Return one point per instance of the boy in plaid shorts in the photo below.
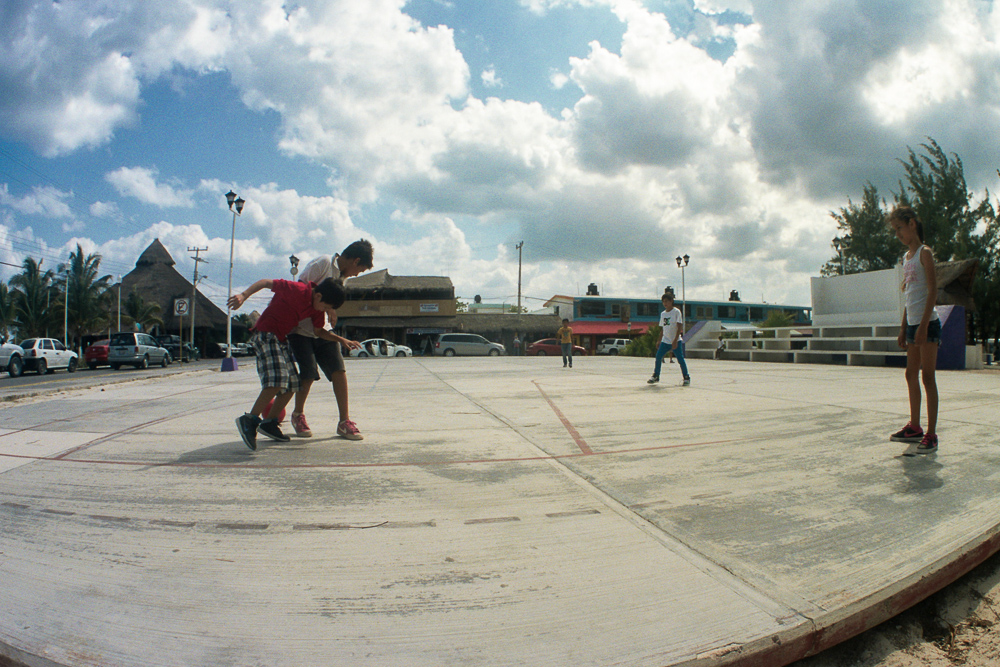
(292, 302)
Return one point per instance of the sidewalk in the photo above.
(499, 512)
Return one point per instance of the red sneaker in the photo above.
(349, 430)
(300, 426)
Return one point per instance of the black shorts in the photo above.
(311, 354)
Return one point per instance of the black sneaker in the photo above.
(687, 381)
(269, 427)
(908, 433)
(653, 380)
(247, 426)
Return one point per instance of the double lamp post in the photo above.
(236, 206)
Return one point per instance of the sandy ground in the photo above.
(958, 626)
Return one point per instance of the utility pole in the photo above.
(194, 290)
(519, 246)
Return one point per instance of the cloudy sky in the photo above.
(609, 136)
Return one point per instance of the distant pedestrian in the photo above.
(565, 337)
(279, 380)
(721, 348)
(672, 324)
(517, 346)
(920, 331)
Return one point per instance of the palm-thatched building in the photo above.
(157, 281)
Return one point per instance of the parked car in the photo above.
(137, 349)
(380, 347)
(11, 358)
(242, 350)
(171, 344)
(550, 346)
(96, 353)
(612, 345)
(44, 355)
(451, 344)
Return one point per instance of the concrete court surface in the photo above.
(500, 511)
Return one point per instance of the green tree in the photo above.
(35, 299)
(88, 293)
(868, 244)
(7, 315)
(135, 310)
(775, 318)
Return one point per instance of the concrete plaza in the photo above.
(500, 511)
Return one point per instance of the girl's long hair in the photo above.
(904, 214)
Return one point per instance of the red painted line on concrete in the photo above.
(577, 438)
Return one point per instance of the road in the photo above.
(31, 383)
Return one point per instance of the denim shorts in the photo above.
(933, 332)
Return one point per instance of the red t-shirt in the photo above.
(291, 303)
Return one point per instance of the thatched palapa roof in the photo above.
(157, 281)
(954, 281)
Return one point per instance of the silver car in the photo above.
(464, 344)
(137, 349)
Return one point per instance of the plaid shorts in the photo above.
(274, 363)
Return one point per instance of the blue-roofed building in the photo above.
(597, 317)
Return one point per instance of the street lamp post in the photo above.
(841, 245)
(228, 363)
(682, 262)
(119, 302)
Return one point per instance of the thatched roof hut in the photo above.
(954, 281)
(157, 281)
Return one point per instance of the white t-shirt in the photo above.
(670, 320)
(316, 271)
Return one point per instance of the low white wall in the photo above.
(858, 298)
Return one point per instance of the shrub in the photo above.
(646, 344)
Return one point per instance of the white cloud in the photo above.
(490, 79)
(46, 201)
(140, 183)
(104, 209)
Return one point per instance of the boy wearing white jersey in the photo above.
(312, 353)
(672, 323)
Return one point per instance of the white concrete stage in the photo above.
(500, 511)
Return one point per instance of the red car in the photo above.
(551, 347)
(96, 353)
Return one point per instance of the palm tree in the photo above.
(135, 310)
(33, 296)
(87, 310)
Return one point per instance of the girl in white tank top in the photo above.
(919, 332)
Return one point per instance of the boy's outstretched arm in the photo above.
(330, 336)
(237, 300)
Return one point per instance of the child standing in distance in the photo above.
(920, 331)
(292, 301)
(672, 323)
(565, 337)
(312, 353)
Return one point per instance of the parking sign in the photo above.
(182, 306)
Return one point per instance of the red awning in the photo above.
(581, 328)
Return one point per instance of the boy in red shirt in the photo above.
(291, 303)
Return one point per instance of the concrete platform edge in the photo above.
(842, 624)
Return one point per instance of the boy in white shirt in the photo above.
(672, 323)
(312, 353)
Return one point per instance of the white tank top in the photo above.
(915, 288)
